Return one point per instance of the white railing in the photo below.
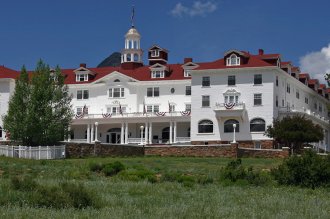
(303, 111)
(230, 106)
(37, 153)
(182, 139)
(134, 140)
(134, 115)
(78, 140)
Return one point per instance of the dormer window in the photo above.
(233, 60)
(157, 74)
(187, 73)
(154, 53)
(82, 77)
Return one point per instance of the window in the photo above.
(154, 53)
(297, 94)
(115, 110)
(157, 74)
(276, 101)
(172, 108)
(188, 107)
(80, 110)
(82, 77)
(1, 132)
(288, 89)
(188, 90)
(233, 60)
(82, 94)
(206, 81)
(257, 99)
(118, 92)
(276, 81)
(258, 79)
(257, 145)
(282, 103)
(153, 92)
(152, 108)
(320, 107)
(205, 126)
(228, 126)
(315, 105)
(231, 99)
(306, 100)
(231, 80)
(205, 101)
(187, 73)
(257, 125)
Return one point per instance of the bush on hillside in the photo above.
(309, 170)
(112, 169)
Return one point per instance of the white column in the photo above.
(88, 133)
(96, 125)
(171, 129)
(122, 134)
(69, 131)
(92, 133)
(150, 133)
(126, 133)
(174, 132)
(146, 133)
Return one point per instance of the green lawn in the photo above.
(129, 197)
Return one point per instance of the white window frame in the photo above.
(154, 53)
(80, 109)
(83, 76)
(152, 108)
(254, 99)
(112, 92)
(115, 110)
(233, 60)
(157, 74)
(153, 91)
(186, 73)
(83, 94)
(188, 107)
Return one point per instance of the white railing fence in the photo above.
(36, 153)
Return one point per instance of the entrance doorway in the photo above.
(113, 136)
(165, 134)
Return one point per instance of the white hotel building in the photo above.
(195, 103)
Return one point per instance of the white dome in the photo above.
(132, 32)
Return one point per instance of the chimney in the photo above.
(186, 60)
(261, 51)
(83, 65)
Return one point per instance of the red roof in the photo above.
(8, 73)
(175, 72)
(322, 86)
(313, 81)
(304, 75)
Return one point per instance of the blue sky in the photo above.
(69, 32)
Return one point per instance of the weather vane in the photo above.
(132, 18)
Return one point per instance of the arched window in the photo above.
(233, 60)
(205, 126)
(128, 57)
(257, 125)
(136, 57)
(228, 125)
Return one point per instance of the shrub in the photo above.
(309, 170)
(23, 183)
(96, 167)
(205, 180)
(234, 172)
(114, 168)
(138, 174)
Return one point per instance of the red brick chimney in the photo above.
(186, 60)
(83, 65)
(261, 51)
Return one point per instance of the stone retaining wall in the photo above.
(264, 153)
(75, 150)
(193, 151)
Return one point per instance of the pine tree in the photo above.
(48, 109)
(15, 122)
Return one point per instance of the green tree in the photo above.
(16, 119)
(294, 131)
(48, 110)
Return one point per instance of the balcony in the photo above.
(230, 110)
(305, 112)
(133, 115)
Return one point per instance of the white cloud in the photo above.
(316, 63)
(197, 9)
